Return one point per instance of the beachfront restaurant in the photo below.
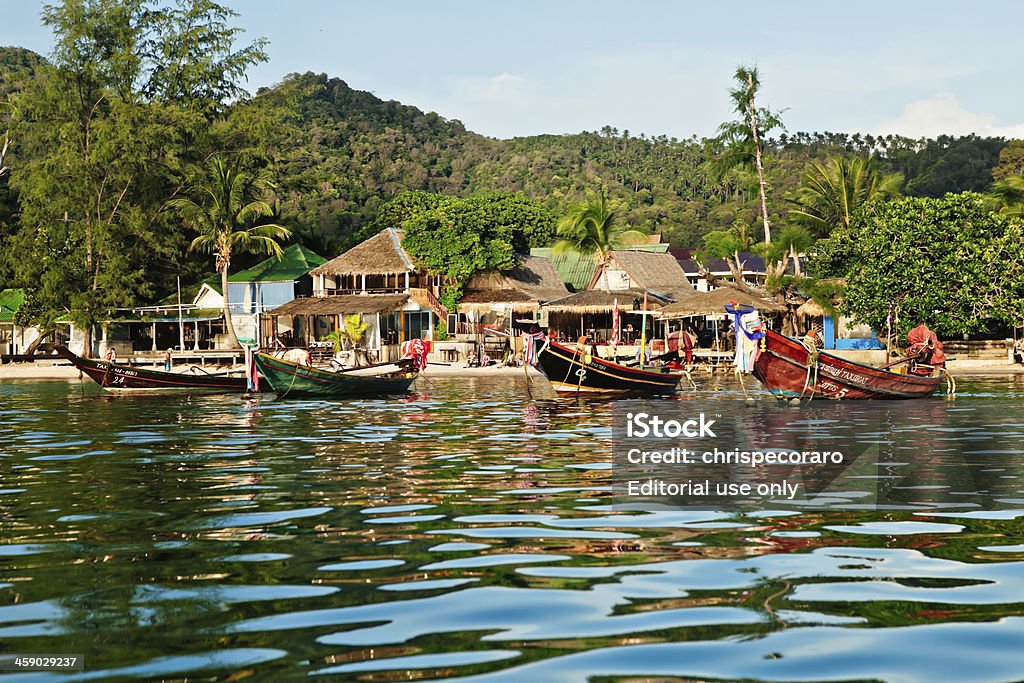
(493, 302)
(392, 318)
(377, 280)
(591, 313)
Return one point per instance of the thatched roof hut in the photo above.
(382, 254)
(657, 273)
(811, 309)
(525, 287)
(715, 301)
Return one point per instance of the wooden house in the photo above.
(376, 279)
(624, 282)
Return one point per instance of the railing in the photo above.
(439, 310)
(341, 292)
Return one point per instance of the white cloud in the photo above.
(943, 115)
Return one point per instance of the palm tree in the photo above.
(593, 229)
(223, 208)
(1009, 192)
(830, 193)
(744, 139)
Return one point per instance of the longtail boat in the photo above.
(573, 370)
(117, 377)
(290, 379)
(791, 369)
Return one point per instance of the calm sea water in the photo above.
(465, 531)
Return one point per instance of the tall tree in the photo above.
(593, 229)
(224, 208)
(744, 139)
(105, 140)
(831, 192)
(931, 260)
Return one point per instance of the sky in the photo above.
(526, 67)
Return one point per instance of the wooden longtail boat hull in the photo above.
(788, 369)
(571, 371)
(294, 380)
(118, 377)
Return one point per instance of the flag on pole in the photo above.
(615, 322)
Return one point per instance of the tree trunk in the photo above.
(796, 261)
(752, 112)
(738, 285)
(229, 326)
(87, 341)
(31, 349)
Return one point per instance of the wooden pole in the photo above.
(643, 333)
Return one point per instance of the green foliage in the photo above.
(457, 238)
(451, 296)
(831, 192)
(354, 329)
(103, 139)
(593, 229)
(226, 208)
(744, 140)
(441, 331)
(1011, 161)
(948, 262)
(335, 337)
(1009, 195)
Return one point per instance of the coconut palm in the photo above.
(744, 139)
(223, 206)
(831, 192)
(593, 229)
(1009, 192)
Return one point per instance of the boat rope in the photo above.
(106, 375)
(290, 384)
(575, 353)
(811, 381)
(743, 385)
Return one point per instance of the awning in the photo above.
(714, 303)
(342, 305)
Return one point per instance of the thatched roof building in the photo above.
(577, 270)
(715, 301)
(811, 309)
(528, 285)
(382, 254)
(659, 274)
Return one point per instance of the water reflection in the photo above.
(468, 530)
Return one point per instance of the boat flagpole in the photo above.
(643, 333)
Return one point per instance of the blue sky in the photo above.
(658, 67)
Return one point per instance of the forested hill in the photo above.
(339, 154)
(351, 151)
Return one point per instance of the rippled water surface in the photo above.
(466, 531)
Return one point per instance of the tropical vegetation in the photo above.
(117, 120)
(226, 208)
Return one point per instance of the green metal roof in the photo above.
(577, 270)
(295, 262)
(10, 301)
